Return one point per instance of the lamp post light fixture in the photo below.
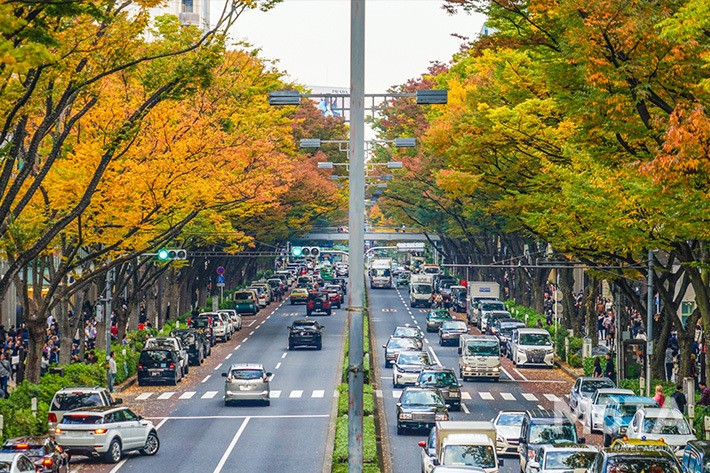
(405, 142)
(394, 165)
(285, 97)
(325, 165)
(310, 143)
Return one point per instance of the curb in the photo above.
(127, 383)
(566, 370)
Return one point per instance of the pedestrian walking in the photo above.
(705, 394)
(597, 367)
(112, 371)
(679, 398)
(660, 398)
(609, 370)
(669, 362)
(5, 371)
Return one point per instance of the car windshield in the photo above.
(243, 296)
(304, 326)
(454, 325)
(592, 385)
(421, 289)
(665, 426)
(186, 337)
(81, 419)
(380, 273)
(483, 348)
(510, 420)
(439, 314)
(5, 467)
(492, 306)
(553, 433)
(604, 398)
(71, 401)
(568, 460)
(437, 379)
(469, 455)
(160, 356)
(401, 343)
(159, 344)
(508, 327)
(246, 374)
(537, 339)
(624, 464)
(413, 359)
(628, 410)
(199, 323)
(422, 398)
(410, 332)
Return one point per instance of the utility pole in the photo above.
(649, 322)
(356, 222)
(107, 318)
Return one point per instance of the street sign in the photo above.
(220, 270)
(220, 280)
(413, 246)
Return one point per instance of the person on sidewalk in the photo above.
(660, 398)
(669, 362)
(5, 372)
(705, 394)
(112, 371)
(609, 370)
(679, 398)
(597, 367)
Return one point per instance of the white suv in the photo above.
(106, 432)
(222, 326)
(234, 318)
(531, 346)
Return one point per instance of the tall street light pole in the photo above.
(357, 234)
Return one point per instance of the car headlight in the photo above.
(622, 429)
(405, 416)
(496, 368)
(441, 416)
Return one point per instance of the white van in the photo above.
(532, 346)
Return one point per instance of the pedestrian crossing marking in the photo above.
(291, 314)
(318, 393)
(209, 394)
(187, 395)
(396, 393)
(296, 393)
(275, 394)
(465, 396)
(389, 310)
(529, 397)
(486, 396)
(378, 393)
(167, 395)
(507, 396)
(143, 396)
(552, 397)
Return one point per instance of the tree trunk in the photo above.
(37, 332)
(662, 332)
(65, 331)
(569, 318)
(590, 309)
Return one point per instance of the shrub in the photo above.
(575, 361)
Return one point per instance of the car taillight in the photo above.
(47, 462)
(172, 366)
(100, 431)
(52, 417)
(22, 446)
(140, 367)
(57, 431)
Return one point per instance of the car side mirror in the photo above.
(448, 406)
(521, 440)
(269, 375)
(582, 440)
(435, 461)
(384, 346)
(500, 462)
(399, 404)
(140, 418)
(534, 465)
(224, 375)
(422, 444)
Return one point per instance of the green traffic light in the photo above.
(163, 254)
(296, 251)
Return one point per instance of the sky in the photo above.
(310, 39)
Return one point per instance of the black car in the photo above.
(450, 332)
(503, 329)
(204, 325)
(195, 343)
(305, 332)
(445, 381)
(544, 427)
(47, 456)
(159, 366)
(420, 408)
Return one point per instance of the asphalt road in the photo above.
(199, 433)
(519, 389)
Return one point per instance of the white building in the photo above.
(190, 12)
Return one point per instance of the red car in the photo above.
(318, 303)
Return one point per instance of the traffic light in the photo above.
(305, 251)
(169, 255)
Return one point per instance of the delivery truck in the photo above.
(478, 291)
(421, 288)
(463, 443)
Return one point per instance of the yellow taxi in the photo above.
(625, 443)
(299, 294)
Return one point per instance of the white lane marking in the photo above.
(218, 367)
(552, 397)
(278, 365)
(268, 317)
(521, 374)
(166, 395)
(284, 356)
(296, 393)
(206, 378)
(275, 394)
(271, 378)
(433, 355)
(209, 394)
(143, 396)
(425, 340)
(187, 395)
(508, 374)
(540, 406)
(486, 396)
(318, 393)
(465, 395)
(234, 441)
(227, 357)
(245, 340)
(464, 408)
(396, 393)
(378, 393)
(507, 396)
(286, 416)
(250, 334)
(238, 346)
(529, 397)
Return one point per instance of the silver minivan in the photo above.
(247, 382)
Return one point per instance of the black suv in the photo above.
(544, 427)
(446, 382)
(159, 366)
(195, 343)
(305, 332)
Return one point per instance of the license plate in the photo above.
(155, 372)
(246, 388)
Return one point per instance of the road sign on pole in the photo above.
(220, 280)
(220, 270)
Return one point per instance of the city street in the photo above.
(199, 433)
(518, 389)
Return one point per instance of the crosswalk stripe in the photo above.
(296, 393)
(209, 394)
(465, 395)
(507, 396)
(486, 396)
(187, 395)
(552, 397)
(167, 395)
(318, 393)
(529, 397)
(143, 396)
(275, 394)
(396, 393)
